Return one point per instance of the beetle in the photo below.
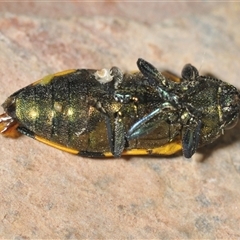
(104, 113)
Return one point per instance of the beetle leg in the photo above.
(168, 97)
(119, 134)
(116, 134)
(147, 124)
(190, 138)
(26, 131)
(155, 78)
(147, 69)
(117, 76)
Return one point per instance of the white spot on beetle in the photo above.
(103, 75)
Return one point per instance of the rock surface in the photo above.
(46, 193)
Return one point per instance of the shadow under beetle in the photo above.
(104, 113)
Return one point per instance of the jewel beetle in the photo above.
(104, 113)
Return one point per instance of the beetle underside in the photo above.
(104, 113)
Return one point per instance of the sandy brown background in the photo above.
(46, 193)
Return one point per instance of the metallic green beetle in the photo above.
(101, 113)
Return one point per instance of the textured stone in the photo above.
(45, 193)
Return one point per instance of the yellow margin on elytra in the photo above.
(56, 145)
(47, 79)
(167, 149)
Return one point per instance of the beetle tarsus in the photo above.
(190, 139)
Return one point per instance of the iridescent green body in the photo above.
(96, 115)
(66, 111)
